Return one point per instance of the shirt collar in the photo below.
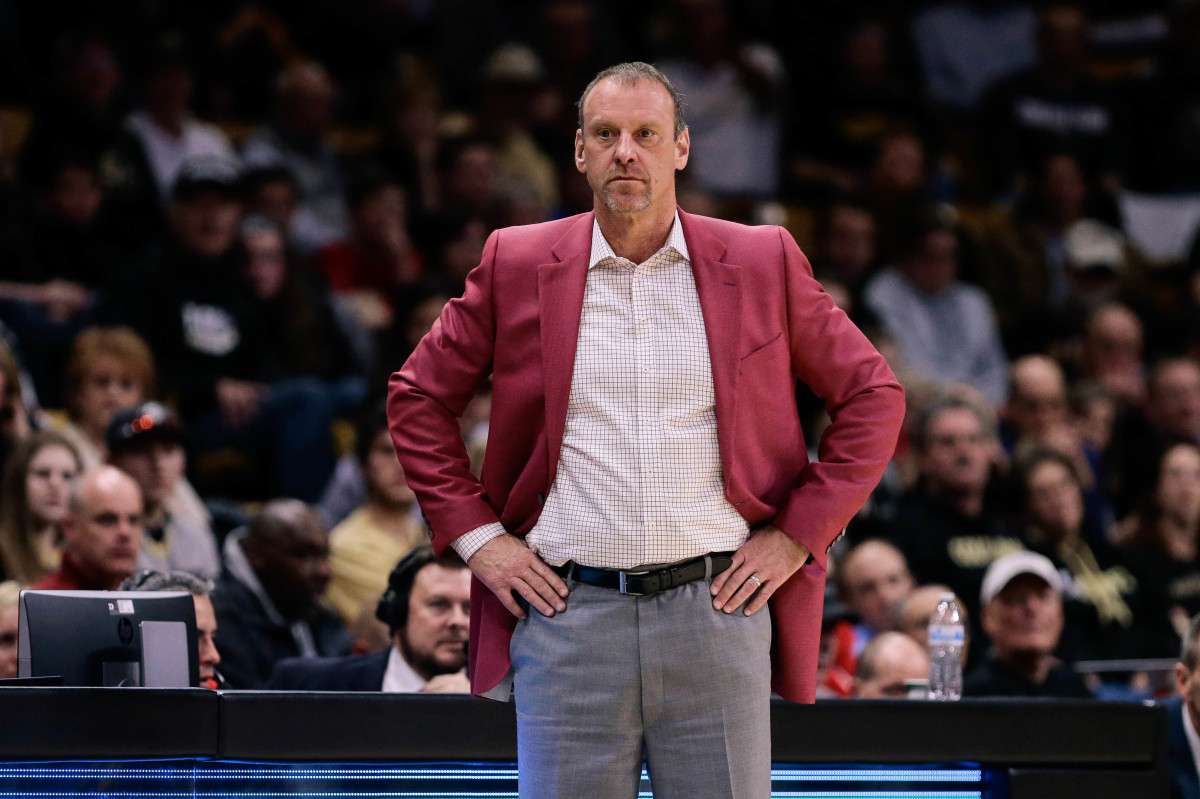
(601, 248)
(1192, 738)
(399, 678)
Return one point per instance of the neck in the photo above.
(636, 236)
(968, 502)
(156, 514)
(1033, 666)
(168, 120)
(389, 516)
(1179, 536)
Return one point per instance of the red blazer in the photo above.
(768, 323)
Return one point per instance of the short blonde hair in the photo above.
(121, 343)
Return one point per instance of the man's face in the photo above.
(206, 223)
(850, 244)
(1025, 618)
(8, 642)
(875, 579)
(1039, 399)
(383, 475)
(76, 195)
(106, 533)
(156, 466)
(1187, 684)
(295, 571)
(957, 455)
(935, 265)
(1174, 406)
(206, 634)
(628, 148)
(439, 611)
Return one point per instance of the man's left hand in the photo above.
(772, 556)
(454, 683)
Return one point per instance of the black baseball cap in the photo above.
(207, 172)
(150, 421)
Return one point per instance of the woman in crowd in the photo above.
(110, 368)
(34, 494)
(1164, 538)
(1103, 602)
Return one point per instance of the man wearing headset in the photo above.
(426, 607)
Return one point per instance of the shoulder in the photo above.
(542, 237)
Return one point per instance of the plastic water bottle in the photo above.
(946, 638)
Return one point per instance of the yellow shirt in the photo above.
(361, 555)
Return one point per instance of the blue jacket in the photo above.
(1184, 781)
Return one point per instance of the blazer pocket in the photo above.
(773, 340)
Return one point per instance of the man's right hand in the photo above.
(505, 564)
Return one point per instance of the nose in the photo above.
(460, 616)
(626, 152)
(209, 655)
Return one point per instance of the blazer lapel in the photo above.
(560, 304)
(719, 286)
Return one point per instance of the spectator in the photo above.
(110, 368)
(302, 336)
(365, 270)
(1022, 614)
(14, 410)
(1111, 352)
(1104, 604)
(1164, 538)
(103, 531)
(890, 661)
(164, 133)
(872, 579)
(38, 479)
(210, 337)
(950, 526)
(206, 620)
(10, 595)
(427, 608)
(848, 250)
(146, 442)
(965, 46)
(1171, 413)
(268, 602)
(1053, 106)
(946, 329)
(272, 192)
(914, 613)
(298, 139)
(385, 528)
(1183, 718)
(1037, 415)
(736, 94)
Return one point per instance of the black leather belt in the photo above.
(644, 582)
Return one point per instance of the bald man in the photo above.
(889, 662)
(1037, 399)
(268, 602)
(102, 533)
(872, 579)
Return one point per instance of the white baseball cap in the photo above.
(1008, 567)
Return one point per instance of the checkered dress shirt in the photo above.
(639, 477)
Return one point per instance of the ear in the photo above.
(683, 147)
(1183, 678)
(580, 160)
(69, 527)
(987, 619)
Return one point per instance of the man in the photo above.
(872, 579)
(384, 529)
(146, 442)
(889, 661)
(1022, 615)
(643, 412)
(1183, 743)
(426, 607)
(10, 595)
(913, 614)
(102, 533)
(945, 328)
(206, 619)
(948, 525)
(268, 601)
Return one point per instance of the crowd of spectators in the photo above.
(222, 228)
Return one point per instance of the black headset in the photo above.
(392, 609)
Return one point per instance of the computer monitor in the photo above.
(109, 638)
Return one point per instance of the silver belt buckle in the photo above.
(622, 584)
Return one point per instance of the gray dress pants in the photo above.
(617, 679)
